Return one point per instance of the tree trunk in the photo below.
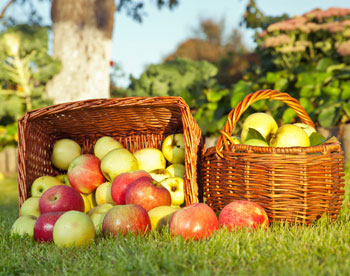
(82, 40)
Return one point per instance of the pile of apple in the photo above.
(261, 129)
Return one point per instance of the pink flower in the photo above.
(275, 41)
(344, 48)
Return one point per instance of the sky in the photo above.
(136, 45)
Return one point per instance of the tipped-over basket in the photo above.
(136, 122)
(296, 184)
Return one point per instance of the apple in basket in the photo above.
(175, 185)
(43, 228)
(63, 152)
(290, 135)
(104, 145)
(196, 221)
(42, 183)
(243, 214)
(150, 159)
(173, 148)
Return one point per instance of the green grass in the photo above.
(322, 249)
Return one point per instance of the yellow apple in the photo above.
(177, 170)
(103, 194)
(87, 205)
(63, 152)
(42, 183)
(160, 174)
(175, 185)
(97, 215)
(308, 129)
(160, 216)
(150, 159)
(92, 199)
(264, 123)
(236, 140)
(24, 225)
(256, 142)
(290, 135)
(173, 148)
(104, 145)
(30, 207)
(64, 179)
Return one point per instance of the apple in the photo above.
(91, 198)
(256, 142)
(177, 170)
(103, 194)
(87, 204)
(308, 129)
(159, 174)
(290, 135)
(30, 207)
(42, 183)
(160, 216)
(150, 159)
(118, 161)
(243, 213)
(104, 145)
(63, 152)
(142, 192)
(173, 148)
(61, 198)
(122, 181)
(43, 228)
(73, 228)
(264, 123)
(63, 178)
(236, 140)
(124, 219)
(84, 173)
(175, 185)
(97, 215)
(196, 221)
(24, 225)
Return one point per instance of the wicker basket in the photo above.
(297, 184)
(136, 122)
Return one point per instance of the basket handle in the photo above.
(248, 100)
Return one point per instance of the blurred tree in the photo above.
(83, 41)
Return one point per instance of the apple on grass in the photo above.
(97, 215)
(124, 219)
(160, 216)
(196, 221)
(104, 145)
(84, 173)
(290, 135)
(118, 161)
(173, 148)
(43, 228)
(142, 192)
(149, 159)
(122, 181)
(175, 185)
(103, 194)
(24, 225)
(61, 198)
(73, 228)
(30, 207)
(63, 152)
(42, 183)
(243, 214)
(176, 170)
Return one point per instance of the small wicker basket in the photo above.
(296, 184)
(136, 122)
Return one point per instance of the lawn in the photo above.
(321, 249)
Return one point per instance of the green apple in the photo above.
(42, 183)
(173, 148)
(177, 170)
(118, 161)
(103, 194)
(264, 123)
(150, 159)
(73, 228)
(160, 216)
(64, 179)
(160, 174)
(308, 129)
(97, 215)
(256, 142)
(104, 145)
(24, 225)
(175, 185)
(63, 152)
(236, 140)
(30, 207)
(290, 135)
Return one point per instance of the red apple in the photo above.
(144, 193)
(84, 173)
(243, 213)
(61, 198)
(122, 219)
(43, 229)
(196, 221)
(122, 181)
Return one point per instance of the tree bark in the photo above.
(82, 40)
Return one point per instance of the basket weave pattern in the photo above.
(297, 184)
(136, 122)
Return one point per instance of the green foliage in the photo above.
(25, 68)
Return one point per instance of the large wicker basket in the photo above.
(136, 122)
(297, 184)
